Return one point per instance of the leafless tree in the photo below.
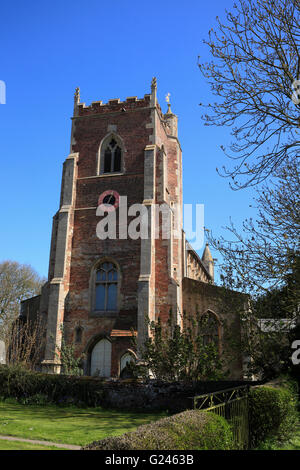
(25, 342)
(265, 255)
(254, 74)
(263, 260)
(17, 282)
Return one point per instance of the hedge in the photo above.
(189, 430)
(34, 387)
(124, 394)
(272, 412)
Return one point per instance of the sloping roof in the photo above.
(190, 248)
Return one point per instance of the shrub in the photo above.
(30, 387)
(173, 353)
(71, 365)
(189, 430)
(272, 412)
(128, 394)
(38, 399)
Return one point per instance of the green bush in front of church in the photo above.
(272, 412)
(189, 430)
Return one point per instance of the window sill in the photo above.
(103, 175)
(104, 313)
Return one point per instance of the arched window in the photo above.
(101, 359)
(111, 156)
(210, 329)
(106, 287)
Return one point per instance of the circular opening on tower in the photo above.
(109, 199)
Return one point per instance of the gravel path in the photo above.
(45, 443)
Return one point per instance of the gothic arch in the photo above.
(211, 328)
(90, 347)
(111, 142)
(126, 356)
(95, 282)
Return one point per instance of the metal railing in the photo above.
(232, 404)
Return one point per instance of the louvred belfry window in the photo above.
(112, 157)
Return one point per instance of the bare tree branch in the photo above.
(17, 282)
(256, 61)
(264, 254)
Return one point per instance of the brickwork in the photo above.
(156, 265)
(129, 120)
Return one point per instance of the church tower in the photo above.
(118, 255)
(123, 156)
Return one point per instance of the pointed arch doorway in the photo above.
(101, 359)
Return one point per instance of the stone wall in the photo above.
(157, 395)
(199, 298)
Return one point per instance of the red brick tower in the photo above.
(99, 289)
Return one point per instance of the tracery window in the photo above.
(112, 157)
(106, 287)
(210, 329)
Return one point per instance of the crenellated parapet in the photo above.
(114, 106)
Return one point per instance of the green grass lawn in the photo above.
(67, 425)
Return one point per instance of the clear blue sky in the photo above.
(111, 50)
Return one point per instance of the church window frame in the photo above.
(105, 288)
(211, 329)
(111, 156)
